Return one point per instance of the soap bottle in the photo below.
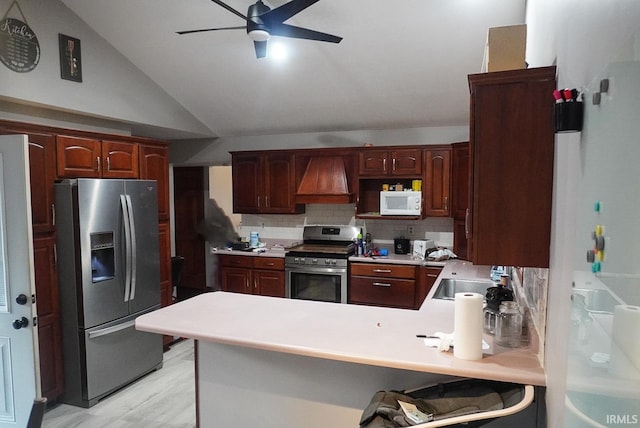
(360, 244)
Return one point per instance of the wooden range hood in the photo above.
(324, 182)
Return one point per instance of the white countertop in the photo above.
(400, 259)
(361, 334)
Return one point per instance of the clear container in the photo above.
(509, 325)
(490, 316)
(254, 239)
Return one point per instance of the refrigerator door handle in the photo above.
(134, 246)
(112, 329)
(127, 246)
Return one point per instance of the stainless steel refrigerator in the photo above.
(108, 273)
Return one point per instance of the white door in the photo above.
(19, 383)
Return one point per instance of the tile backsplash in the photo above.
(532, 293)
(290, 227)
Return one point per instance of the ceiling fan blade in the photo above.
(211, 29)
(287, 10)
(230, 9)
(286, 30)
(261, 49)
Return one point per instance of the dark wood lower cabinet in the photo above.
(391, 285)
(49, 329)
(252, 275)
(383, 285)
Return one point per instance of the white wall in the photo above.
(113, 89)
(580, 37)
(216, 152)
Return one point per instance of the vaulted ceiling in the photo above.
(401, 63)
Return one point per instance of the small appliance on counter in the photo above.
(401, 245)
(495, 297)
(240, 246)
(421, 247)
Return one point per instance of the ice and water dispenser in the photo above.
(102, 257)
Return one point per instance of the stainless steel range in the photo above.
(317, 268)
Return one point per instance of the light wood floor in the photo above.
(164, 398)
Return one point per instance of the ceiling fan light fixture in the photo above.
(259, 35)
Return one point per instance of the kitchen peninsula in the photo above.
(273, 362)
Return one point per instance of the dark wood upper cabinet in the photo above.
(460, 164)
(78, 157)
(154, 165)
(512, 147)
(437, 186)
(279, 184)
(390, 162)
(92, 158)
(245, 172)
(120, 160)
(42, 170)
(264, 183)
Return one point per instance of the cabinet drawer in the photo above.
(274, 263)
(384, 270)
(236, 261)
(399, 293)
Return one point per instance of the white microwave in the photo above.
(400, 203)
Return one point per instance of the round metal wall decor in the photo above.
(19, 47)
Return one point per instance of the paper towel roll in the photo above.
(467, 342)
(624, 359)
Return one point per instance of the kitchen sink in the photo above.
(449, 287)
(595, 300)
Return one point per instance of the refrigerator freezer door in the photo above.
(145, 269)
(100, 217)
(116, 354)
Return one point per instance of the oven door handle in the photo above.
(316, 270)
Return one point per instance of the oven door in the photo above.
(324, 284)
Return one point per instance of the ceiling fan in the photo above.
(263, 22)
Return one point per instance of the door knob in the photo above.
(21, 323)
(21, 299)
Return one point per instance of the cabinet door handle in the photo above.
(467, 232)
(430, 275)
(393, 166)
(266, 201)
(384, 165)
(53, 214)
(382, 284)
(98, 163)
(446, 203)
(258, 201)
(108, 163)
(382, 270)
(270, 264)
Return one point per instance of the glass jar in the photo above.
(509, 325)
(490, 316)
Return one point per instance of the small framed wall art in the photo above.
(70, 58)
